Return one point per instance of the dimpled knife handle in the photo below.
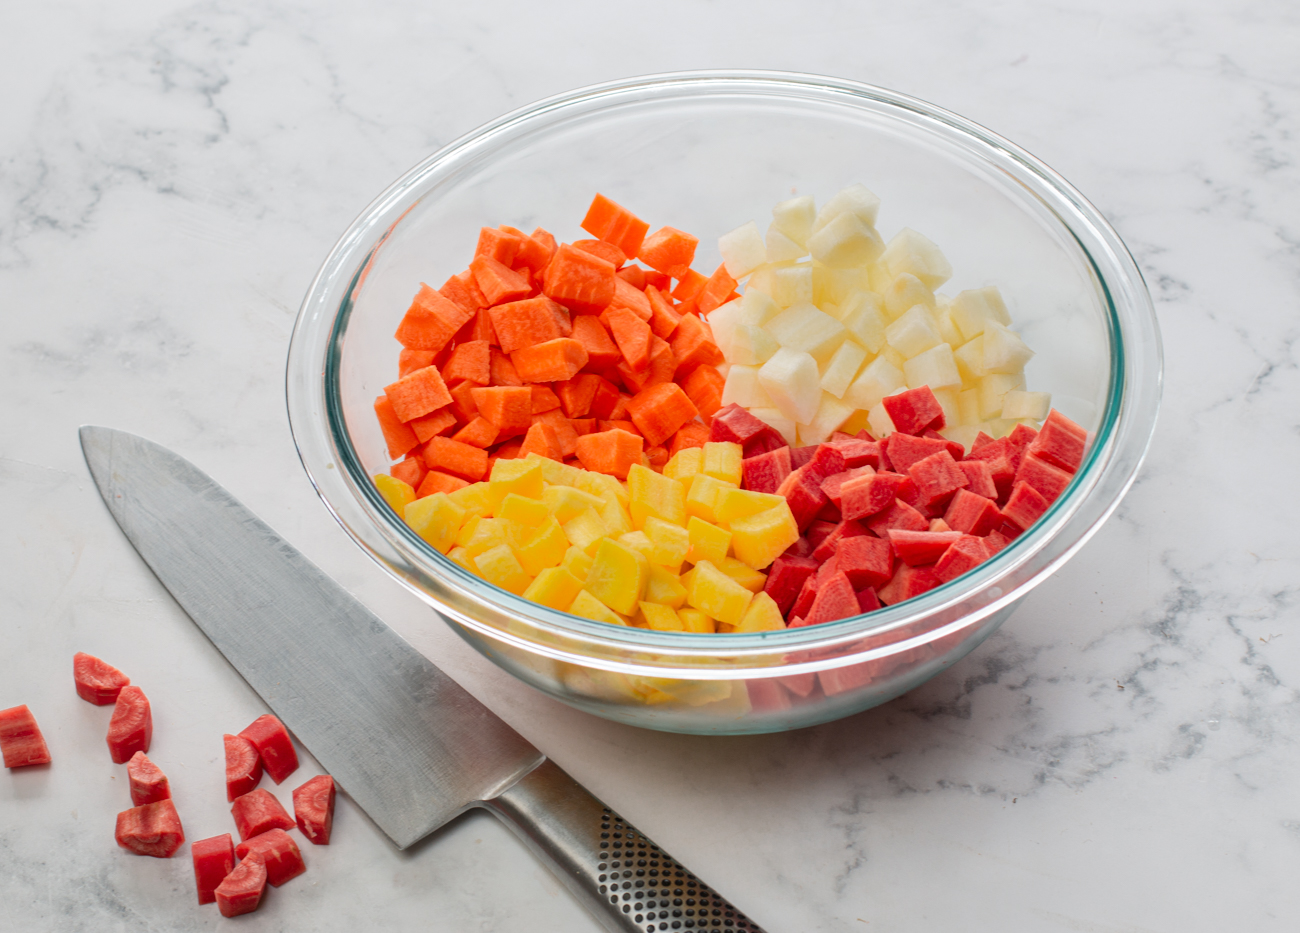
(624, 879)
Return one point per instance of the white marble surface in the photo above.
(1121, 756)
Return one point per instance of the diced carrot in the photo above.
(660, 280)
(544, 399)
(625, 296)
(498, 281)
(632, 336)
(660, 410)
(566, 438)
(613, 452)
(715, 290)
(583, 425)
(510, 408)
(410, 471)
(634, 276)
(615, 224)
(689, 285)
(606, 400)
(663, 363)
(418, 393)
(503, 371)
(438, 481)
(687, 307)
(479, 433)
(534, 282)
(620, 407)
(669, 250)
(663, 319)
(704, 387)
(442, 453)
(541, 440)
(408, 361)
(470, 361)
(508, 451)
(581, 282)
(621, 424)
(434, 423)
(602, 353)
(544, 237)
(693, 344)
(553, 361)
(462, 402)
(658, 456)
(483, 329)
(606, 251)
(398, 436)
(497, 244)
(457, 290)
(430, 321)
(524, 323)
(691, 434)
(531, 254)
(575, 394)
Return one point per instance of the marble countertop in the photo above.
(1120, 756)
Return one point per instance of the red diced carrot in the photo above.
(510, 408)
(693, 344)
(606, 400)
(663, 363)
(462, 402)
(470, 361)
(410, 471)
(566, 438)
(615, 224)
(430, 321)
(659, 280)
(619, 424)
(434, 423)
(541, 440)
(704, 387)
(497, 244)
(575, 395)
(418, 393)
(479, 433)
(583, 425)
(613, 452)
(544, 237)
(398, 436)
(438, 481)
(606, 251)
(660, 410)
(581, 282)
(498, 281)
(669, 251)
(442, 453)
(663, 319)
(716, 290)
(691, 434)
(503, 371)
(531, 254)
(625, 296)
(521, 324)
(634, 276)
(408, 361)
(632, 336)
(689, 284)
(553, 361)
(544, 399)
(602, 353)
(658, 456)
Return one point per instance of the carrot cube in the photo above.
(398, 436)
(693, 344)
(530, 254)
(521, 324)
(430, 321)
(410, 471)
(553, 361)
(581, 282)
(634, 276)
(691, 434)
(408, 361)
(456, 290)
(660, 410)
(470, 361)
(541, 440)
(704, 387)
(583, 425)
(576, 394)
(544, 237)
(442, 453)
(503, 371)
(434, 423)
(662, 366)
(498, 281)
(668, 250)
(497, 244)
(566, 438)
(635, 300)
(510, 408)
(591, 333)
(612, 452)
(716, 290)
(663, 319)
(689, 285)
(628, 426)
(483, 329)
(437, 481)
(479, 433)
(632, 336)
(606, 251)
(418, 393)
(544, 399)
(615, 224)
(462, 402)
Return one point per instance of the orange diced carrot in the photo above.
(632, 336)
(509, 451)
(663, 319)
(606, 401)
(601, 350)
(657, 456)
(693, 344)
(687, 307)
(606, 251)
(483, 329)
(660, 410)
(634, 276)
(442, 453)
(566, 438)
(715, 290)
(576, 394)
(497, 244)
(418, 393)
(621, 424)
(689, 285)
(704, 387)
(625, 296)
(531, 254)
(498, 281)
(662, 366)
(408, 361)
(544, 237)
(544, 399)
(669, 251)
(503, 371)
(430, 321)
(470, 361)
(479, 433)
(613, 452)
(437, 481)
(434, 423)
(615, 224)
(410, 471)
(398, 436)
(583, 425)
(581, 282)
(659, 280)
(510, 408)
(553, 361)
(524, 323)
(691, 434)
(462, 402)
(541, 440)
(457, 291)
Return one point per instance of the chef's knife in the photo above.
(400, 737)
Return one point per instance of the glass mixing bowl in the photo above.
(706, 152)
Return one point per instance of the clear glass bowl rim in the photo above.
(1109, 468)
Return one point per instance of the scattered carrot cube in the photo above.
(669, 251)
(615, 224)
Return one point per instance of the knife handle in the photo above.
(629, 883)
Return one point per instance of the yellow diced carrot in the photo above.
(397, 493)
(436, 519)
(663, 587)
(661, 618)
(473, 499)
(589, 607)
(713, 592)
(763, 615)
(577, 562)
(525, 511)
(565, 502)
(733, 504)
(585, 531)
(671, 542)
(544, 547)
(684, 464)
(523, 477)
(498, 565)
(702, 497)
(722, 461)
(751, 579)
(651, 494)
(618, 576)
(760, 539)
(708, 541)
(554, 587)
(696, 621)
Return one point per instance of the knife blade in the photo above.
(403, 740)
